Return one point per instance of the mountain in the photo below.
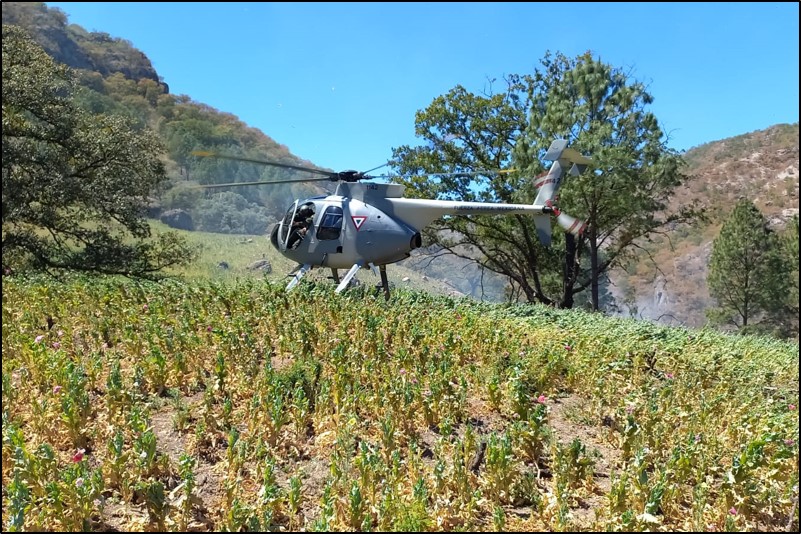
(762, 166)
(72, 45)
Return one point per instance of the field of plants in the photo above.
(232, 405)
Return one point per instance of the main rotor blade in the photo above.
(466, 173)
(206, 154)
(237, 184)
(376, 168)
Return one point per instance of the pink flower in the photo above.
(698, 438)
(60, 333)
(669, 375)
(789, 442)
(78, 455)
(56, 345)
(733, 510)
(630, 409)
(791, 407)
(56, 390)
(79, 482)
(402, 371)
(208, 328)
(38, 339)
(541, 399)
(104, 346)
(568, 347)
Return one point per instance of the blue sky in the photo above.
(339, 83)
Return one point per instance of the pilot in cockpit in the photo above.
(304, 219)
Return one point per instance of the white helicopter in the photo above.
(371, 225)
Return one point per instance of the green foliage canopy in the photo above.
(603, 112)
(789, 314)
(747, 270)
(465, 132)
(75, 184)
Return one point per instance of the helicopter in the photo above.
(371, 225)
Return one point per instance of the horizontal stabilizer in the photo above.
(577, 169)
(559, 150)
(556, 149)
(573, 156)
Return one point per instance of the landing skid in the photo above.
(301, 270)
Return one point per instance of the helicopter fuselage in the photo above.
(345, 230)
(368, 223)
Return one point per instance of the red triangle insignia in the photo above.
(358, 221)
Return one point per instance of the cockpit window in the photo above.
(330, 224)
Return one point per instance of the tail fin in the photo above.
(549, 183)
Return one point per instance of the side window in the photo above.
(330, 224)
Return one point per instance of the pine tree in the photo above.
(747, 270)
(789, 314)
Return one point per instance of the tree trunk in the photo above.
(569, 272)
(594, 269)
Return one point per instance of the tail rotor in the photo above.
(570, 224)
(548, 184)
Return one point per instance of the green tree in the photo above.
(747, 270)
(75, 184)
(791, 309)
(465, 132)
(602, 113)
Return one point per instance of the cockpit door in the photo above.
(285, 227)
(328, 234)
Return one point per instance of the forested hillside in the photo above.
(117, 78)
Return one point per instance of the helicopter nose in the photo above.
(274, 236)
